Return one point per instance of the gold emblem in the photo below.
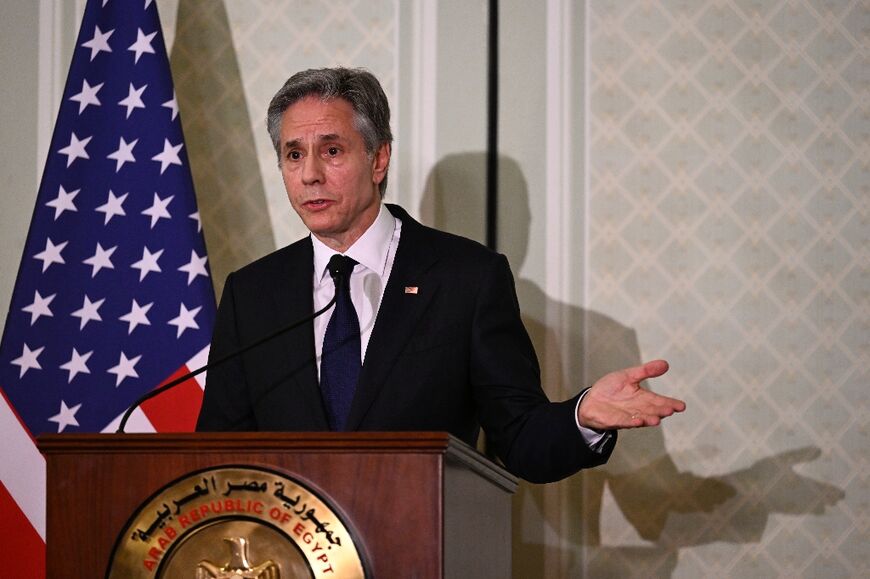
(238, 566)
(260, 515)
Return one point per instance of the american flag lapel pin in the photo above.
(411, 289)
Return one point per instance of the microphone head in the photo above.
(340, 267)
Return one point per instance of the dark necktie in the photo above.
(340, 362)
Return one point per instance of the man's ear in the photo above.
(381, 162)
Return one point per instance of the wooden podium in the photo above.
(420, 504)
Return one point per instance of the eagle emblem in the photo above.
(238, 566)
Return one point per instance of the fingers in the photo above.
(673, 404)
(640, 420)
(652, 408)
(652, 420)
(662, 405)
(609, 416)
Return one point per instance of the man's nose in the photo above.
(312, 169)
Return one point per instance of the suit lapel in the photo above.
(293, 299)
(398, 315)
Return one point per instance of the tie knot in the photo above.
(340, 267)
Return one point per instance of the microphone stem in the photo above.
(189, 375)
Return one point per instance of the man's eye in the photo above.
(332, 151)
(294, 155)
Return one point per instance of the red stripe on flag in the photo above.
(24, 551)
(176, 409)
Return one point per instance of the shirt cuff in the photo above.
(594, 439)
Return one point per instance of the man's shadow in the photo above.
(560, 526)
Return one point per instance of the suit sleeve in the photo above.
(226, 404)
(537, 440)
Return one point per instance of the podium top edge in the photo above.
(137, 442)
(441, 443)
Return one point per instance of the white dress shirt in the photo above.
(375, 252)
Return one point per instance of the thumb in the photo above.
(651, 369)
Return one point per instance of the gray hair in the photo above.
(357, 86)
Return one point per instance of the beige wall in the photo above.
(685, 180)
(19, 55)
(728, 227)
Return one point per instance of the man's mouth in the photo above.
(317, 203)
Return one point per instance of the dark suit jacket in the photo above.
(451, 357)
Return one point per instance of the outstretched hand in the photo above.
(617, 400)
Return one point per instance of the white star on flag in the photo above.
(123, 154)
(172, 105)
(39, 307)
(99, 43)
(78, 364)
(113, 206)
(63, 201)
(184, 319)
(66, 416)
(148, 263)
(158, 209)
(51, 254)
(133, 100)
(88, 312)
(75, 149)
(88, 96)
(195, 267)
(138, 315)
(195, 217)
(28, 360)
(100, 259)
(169, 155)
(125, 368)
(142, 44)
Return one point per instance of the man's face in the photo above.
(331, 181)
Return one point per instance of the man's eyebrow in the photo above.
(293, 143)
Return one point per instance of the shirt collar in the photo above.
(370, 250)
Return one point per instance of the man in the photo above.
(430, 335)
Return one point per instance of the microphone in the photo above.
(338, 269)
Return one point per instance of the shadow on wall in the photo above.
(220, 145)
(660, 509)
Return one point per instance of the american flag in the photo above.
(113, 295)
